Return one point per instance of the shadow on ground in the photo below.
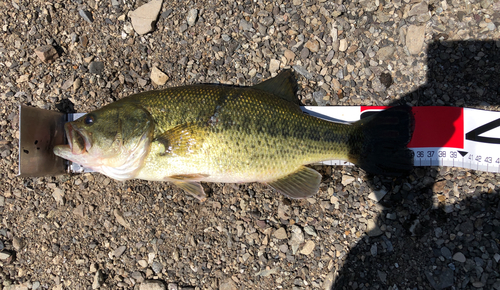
(425, 245)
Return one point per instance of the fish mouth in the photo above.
(78, 140)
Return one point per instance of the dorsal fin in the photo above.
(283, 86)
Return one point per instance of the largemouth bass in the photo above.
(216, 133)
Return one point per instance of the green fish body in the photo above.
(216, 133)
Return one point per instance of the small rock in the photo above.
(386, 79)
(228, 284)
(152, 285)
(347, 179)
(157, 267)
(378, 86)
(158, 77)
(388, 244)
(2, 246)
(446, 279)
(385, 52)
(310, 231)
(312, 45)
(77, 84)
(79, 211)
(378, 195)
(372, 229)
(137, 276)
(96, 67)
(58, 195)
(297, 238)
(142, 263)
(17, 243)
(280, 234)
(35, 285)
(467, 227)
(172, 286)
(120, 219)
(302, 71)
(446, 253)
(328, 281)
(2, 202)
(119, 251)
(191, 17)
(319, 97)
(144, 17)
(86, 15)
(274, 65)
(115, 3)
(93, 268)
(67, 84)
(415, 39)
(418, 9)
(4, 255)
(47, 53)
(244, 25)
(308, 248)
(128, 28)
(304, 53)
(226, 37)
(289, 55)
(382, 276)
(265, 273)
(391, 216)
(343, 45)
(459, 257)
(23, 78)
(183, 27)
(374, 250)
(98, 280)
(496, 257)
(439, 186)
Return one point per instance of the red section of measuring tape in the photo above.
(435, 126)
(438, 127)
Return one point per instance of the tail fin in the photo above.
(379, 144)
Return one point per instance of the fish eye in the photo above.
(89, 120)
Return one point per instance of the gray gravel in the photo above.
(437, 228)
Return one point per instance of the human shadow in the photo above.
(430, 242)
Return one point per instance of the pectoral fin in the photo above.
(182, 139)
(302, 183)
(193, 188)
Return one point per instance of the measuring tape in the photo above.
(443, 136)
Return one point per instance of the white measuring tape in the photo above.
(443, 136)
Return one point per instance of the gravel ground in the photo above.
(438, 228)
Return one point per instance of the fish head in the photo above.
(113, 140)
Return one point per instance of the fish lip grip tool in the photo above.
(443, 136)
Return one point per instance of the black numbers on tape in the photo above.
(420, 154)
(498, 160)
(441, 154)
(488, 159)
(453, 154)
(474, 134)
(478, 158)
(430, 154)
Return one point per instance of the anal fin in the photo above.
(193, 188)
(302, 183)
